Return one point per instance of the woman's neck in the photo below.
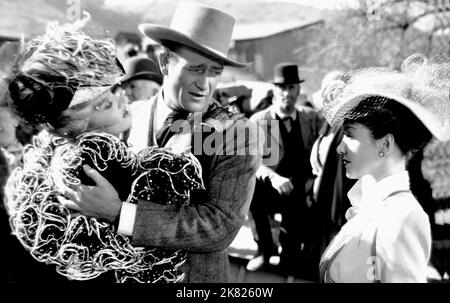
(390, 166)
(12, 146)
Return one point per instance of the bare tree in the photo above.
(381, 33)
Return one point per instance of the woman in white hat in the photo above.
(386, 115)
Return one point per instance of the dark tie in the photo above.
(165, 133)
(288, 123)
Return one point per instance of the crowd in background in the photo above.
(312, 216)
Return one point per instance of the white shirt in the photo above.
(386, 222)
(162, 111)
(140, 113)
(140, 118)
(282, 115)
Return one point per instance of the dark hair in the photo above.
(4, 173)
(39, 96)
(393, 118)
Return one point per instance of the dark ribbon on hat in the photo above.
(39, 102)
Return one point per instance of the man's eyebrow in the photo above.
(203, 65)
(197, 65)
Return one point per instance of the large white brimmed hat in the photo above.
(422, 86)
(197, 26)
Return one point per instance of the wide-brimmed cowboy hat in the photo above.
(286, 73)
(142, 68)
(199, 27)
(416, 90)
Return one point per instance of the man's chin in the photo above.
(288, 109)
(196, 105)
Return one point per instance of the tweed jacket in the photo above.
(207, 226)
(310, 124)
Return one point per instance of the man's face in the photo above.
(141, 89)
(285, 96)
(190, 80)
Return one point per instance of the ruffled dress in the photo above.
(83, 248)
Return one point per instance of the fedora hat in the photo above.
(286, 73)
(415, 90)
(142, 68)
(199, 27)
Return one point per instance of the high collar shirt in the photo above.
(387, 237)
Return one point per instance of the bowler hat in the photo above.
(142, 68)
(199, 27)
(286, 73)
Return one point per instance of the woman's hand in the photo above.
(99, 201)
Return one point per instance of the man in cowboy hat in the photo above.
(194, 54)
(142, 80)
(282, 185)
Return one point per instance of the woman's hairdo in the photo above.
(391, 117)
(53, 66)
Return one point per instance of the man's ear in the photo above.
(163, 60)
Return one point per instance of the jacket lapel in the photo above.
(304, 129)
(274, 132)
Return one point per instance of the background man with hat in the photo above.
(195, 48)
(142, 80)
(282, 186)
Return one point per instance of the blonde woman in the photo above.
(64, 82)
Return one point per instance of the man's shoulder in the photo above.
(240, 133)
(309, 112)
(262, 115)
(223, 117)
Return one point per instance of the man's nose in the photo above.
(202, 82)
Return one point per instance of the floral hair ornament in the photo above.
(422, 86)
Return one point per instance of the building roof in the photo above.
(262, 30)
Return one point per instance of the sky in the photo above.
(313, 3)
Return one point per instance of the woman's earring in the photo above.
(97, 107)
(381, 154)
